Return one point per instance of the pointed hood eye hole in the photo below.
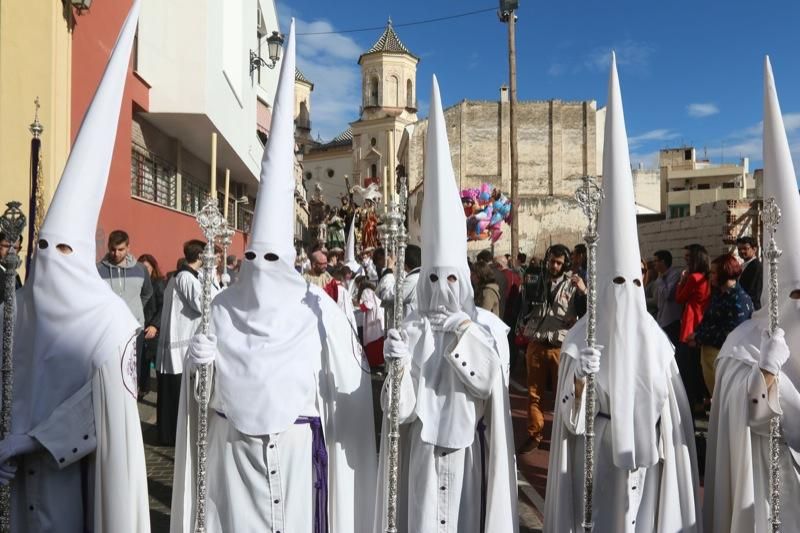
(65, 249)
(637, 282)
(795, 294)
(451, 278)
(434, 278)
(619, 280)
(43, 244)
(250, 256)
(269, 256)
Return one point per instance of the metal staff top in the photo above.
(12, 225)
(771, 217)
(589, 195)
(213, 225)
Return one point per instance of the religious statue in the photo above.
(369, 226)
(335, 226)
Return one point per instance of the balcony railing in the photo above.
(153, 178)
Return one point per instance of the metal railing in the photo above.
(153, 178)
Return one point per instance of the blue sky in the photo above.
(690, 71)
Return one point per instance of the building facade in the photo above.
(687, 182)
(35, 62)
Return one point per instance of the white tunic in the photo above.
(266, 482)
(91, 475)
(659, 498)
(440, 488)
(737, 460)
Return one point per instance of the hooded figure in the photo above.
(75, 429)
(291, 442)
(645, 462)
(758, 375)
(457, 460)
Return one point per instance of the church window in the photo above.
(373, 171)
(330, 172)
(373, 141)
(409, 94)
(373, 92)
(394, 91)
(308, 175)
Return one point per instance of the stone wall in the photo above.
(715, 225)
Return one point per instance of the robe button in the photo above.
(444, 454)
(273, 472)
(61, 460)
(271, 446)
(472, 373)
(443, 487)
(464, 363)
(276, 501)
(442, 522)
(763, 395)
(31, 472)
(74, 450)
(86, 437)
(30, 507)
(455, 355)
(755, 400)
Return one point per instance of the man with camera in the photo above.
(550, 310)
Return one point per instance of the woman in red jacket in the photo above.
(693, 291)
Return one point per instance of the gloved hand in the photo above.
(454, 321)
(14, 445)
(202, 349)
(774, 351)
(396, 345)
(588, 362)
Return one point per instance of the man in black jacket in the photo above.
(751, 278)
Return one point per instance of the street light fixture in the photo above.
(274, 44)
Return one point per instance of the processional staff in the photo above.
(12, 225)
(213, 225)
(589, 195)
(771, 217)
(396, 229)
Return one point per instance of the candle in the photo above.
(213, 192)
(227, 191)
(385, 185)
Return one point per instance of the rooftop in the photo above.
(388, 42)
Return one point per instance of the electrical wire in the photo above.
(404, 24)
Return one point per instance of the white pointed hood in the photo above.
(780, 183)
(273, 220)
(266, 330)
(635, 352)
(69, 321)
(444, 227)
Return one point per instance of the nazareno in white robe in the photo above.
(440, 488)
(266, 482)
(660, 498)
(91, 474)
(737, 491)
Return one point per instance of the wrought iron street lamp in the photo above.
(274, 47)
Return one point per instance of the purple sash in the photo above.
(319, 456)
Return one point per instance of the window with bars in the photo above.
(152, 177)
(193, 195)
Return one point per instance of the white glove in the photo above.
(396, 345)
(7, 472)
(588, 362)
(774, 351)
(453, 323)
(442, 320)
(202, 349)
(14, 445)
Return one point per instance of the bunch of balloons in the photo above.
(485, 208)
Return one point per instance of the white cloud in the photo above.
(747, 142)
(330, 61)
(647, 160)
(702, 110)
(631, 54)
(653, 135)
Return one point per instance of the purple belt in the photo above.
(482, 439)
(319, 456)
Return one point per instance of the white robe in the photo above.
(440, 488)
(91, 476)
(737, 457)
(662, 498)
(265, 482)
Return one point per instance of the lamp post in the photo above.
(274, 47)
(507, 14)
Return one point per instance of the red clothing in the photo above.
(694, 293)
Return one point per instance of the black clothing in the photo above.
(751, 281)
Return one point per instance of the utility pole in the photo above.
(508, 15)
